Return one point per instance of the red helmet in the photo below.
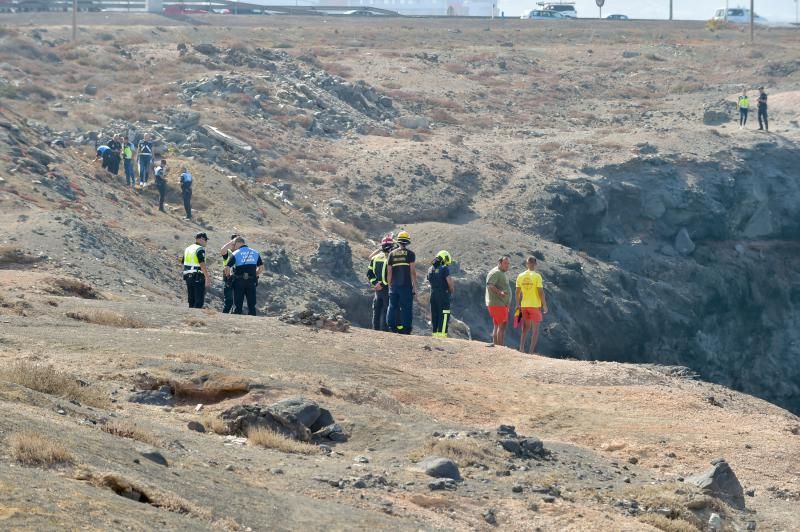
(387, 241)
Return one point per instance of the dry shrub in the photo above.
(71, 287)
(48, 380)
(214, 423)
(13, 255)
(391, 85)
(270, 439)
(106, 317)
(126, 429)
(464, 451)
(668, 525)
(346, 231)
(194, 322)
(33, 448)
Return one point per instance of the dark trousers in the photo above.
(440, 312)
(762, 115)
(144, 169)
(187, 200)
(380, 304)
(400, 311)
(227, 297)
(162, 193)
(196, 289)
(106, 157)
(743, 116)
(130, 177)
(244, 288)
(113, 162)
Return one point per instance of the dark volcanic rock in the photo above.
(440, 468)
(720, 481)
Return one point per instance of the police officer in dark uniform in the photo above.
(227, 278)
(246, 266)
(376, 273)
(441, 289)
(401, 277)
(194, 271)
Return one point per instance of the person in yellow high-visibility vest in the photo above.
(195, 272)
(744, 108)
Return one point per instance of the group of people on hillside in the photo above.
(744, 110)
(120, 149)
(392, 272)
(241, 266)
(393, 275)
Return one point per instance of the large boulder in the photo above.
(241, 419)
(305, 411)
(437, 467)
(721, 482)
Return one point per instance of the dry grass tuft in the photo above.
(465, 452)
(664, 496)
(107, 317)
(126, 429)
(214, 423)
(33, 448)
(46, 379)
(270, 439)
(668, 525)
(203, 359)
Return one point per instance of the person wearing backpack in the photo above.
(186, 191)
(376, 274)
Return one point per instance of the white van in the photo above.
(565, 9)
(738, 15)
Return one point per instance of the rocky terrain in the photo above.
(665, 235)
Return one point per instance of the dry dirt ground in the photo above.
(517, 104)
(391, 396)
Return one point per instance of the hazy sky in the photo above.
(773, 10)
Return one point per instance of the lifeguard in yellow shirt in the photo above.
(530, 299)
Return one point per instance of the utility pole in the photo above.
(752, 22)
(74, 20)
(670, 9)
(726, 10)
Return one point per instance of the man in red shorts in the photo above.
(498, 296)
(530, 298)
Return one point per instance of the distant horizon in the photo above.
(772, 10)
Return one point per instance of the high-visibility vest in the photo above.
(744, 102)
(377, 267)
(190, 262)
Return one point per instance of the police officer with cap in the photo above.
(195, 272)
(245, 265)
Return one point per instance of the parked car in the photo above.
(359, 13)
(738, 15)
(566, 10)
(617, 17)
(541, 14)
